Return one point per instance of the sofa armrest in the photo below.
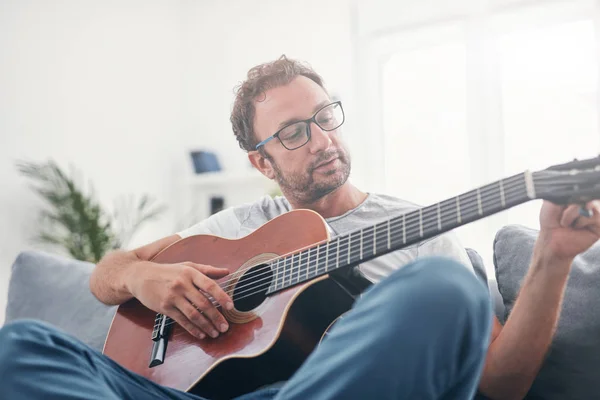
(56, 290)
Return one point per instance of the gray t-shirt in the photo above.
(239, 221)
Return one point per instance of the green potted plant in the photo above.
(74, 220)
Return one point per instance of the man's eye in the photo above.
(293, 133)
(325, 117)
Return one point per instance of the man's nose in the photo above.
(319, 139)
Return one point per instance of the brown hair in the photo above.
(260, 79)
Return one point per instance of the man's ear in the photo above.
(261, 163)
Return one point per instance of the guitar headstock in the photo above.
(577, 181)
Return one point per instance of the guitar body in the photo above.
(269, 336)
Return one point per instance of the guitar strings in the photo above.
(217, 305)
(507, 184)
(412, 226)
(299, 269)
(508, 198)
(410, 219)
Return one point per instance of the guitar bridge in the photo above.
(160, 334)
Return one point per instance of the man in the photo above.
(424, 331)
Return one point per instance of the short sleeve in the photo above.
(224, 223)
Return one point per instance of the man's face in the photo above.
(320, 166)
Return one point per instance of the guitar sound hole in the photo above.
(252, 287)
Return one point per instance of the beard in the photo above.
(302, 185)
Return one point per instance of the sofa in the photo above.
(55, 289)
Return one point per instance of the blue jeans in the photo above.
(422, 333)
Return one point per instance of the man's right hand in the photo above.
(180, 291)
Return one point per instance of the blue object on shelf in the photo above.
(205, 161)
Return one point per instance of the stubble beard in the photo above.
(302, 188)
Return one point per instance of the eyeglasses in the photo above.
(297, 134)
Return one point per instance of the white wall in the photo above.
(124, 89)
(226, 38)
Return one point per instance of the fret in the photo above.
(404, 227)
(492, 198)
(299, 269)
(291, 270)
(448, 212)
(439, 215)
(313, 263)
(348, 249)
(281, 271)
(502, 198)
(421, 222)
(337, 257)
(389, 237)
(516, 190)
(428, 221)
(479, 202)
(325, 260)
(470, 211)
(458, 216)
(327, 257)
(285, 260)
(374, 239)
(361, 244)
(308, 263)
(317, 261)
(342, 249)
(277, 273)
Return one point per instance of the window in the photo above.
(424, 107)
(549, 100)
(512, 87)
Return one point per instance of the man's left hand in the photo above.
(565, 233)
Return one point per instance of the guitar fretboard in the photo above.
(396, 233)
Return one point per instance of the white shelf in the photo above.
(228, 178)
(235, 187)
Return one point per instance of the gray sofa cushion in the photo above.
(572, 367)
(56, 290)
(492, 286)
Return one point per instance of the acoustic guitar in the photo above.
(289, 281)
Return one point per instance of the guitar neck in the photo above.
(396, 233)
